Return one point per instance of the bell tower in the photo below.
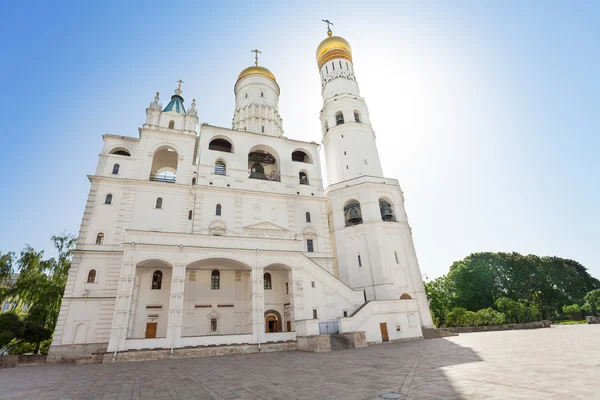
(371, 238)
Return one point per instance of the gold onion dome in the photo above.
(333, 47)
(256, 70)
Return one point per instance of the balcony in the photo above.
(162, 177)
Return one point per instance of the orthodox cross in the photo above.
(180, 82)
(328, 22)
(256, 52)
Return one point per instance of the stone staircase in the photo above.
(435, 333)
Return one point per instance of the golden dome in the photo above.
(333, 47)
(256, 70)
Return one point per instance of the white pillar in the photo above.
(296, 289)
(123, 302)
(258, 305)
(175, 319)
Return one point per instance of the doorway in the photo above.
(384, 332)
(151, 330)
(271, 323)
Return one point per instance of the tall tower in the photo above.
(372, 239)
(256, 101)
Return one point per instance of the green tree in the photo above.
(41, 284)
(593, 299)
(573, 311)
(440, 299)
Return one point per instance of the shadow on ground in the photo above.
(412, 369)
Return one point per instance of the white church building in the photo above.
(204, 237)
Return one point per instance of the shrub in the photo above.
(488, 316)
(455, 317)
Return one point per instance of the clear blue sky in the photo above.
(487, 112)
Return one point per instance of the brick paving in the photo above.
(560, 362)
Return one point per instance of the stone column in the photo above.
(123, 302)
(296, 289)
(258, 304)
(175, 320)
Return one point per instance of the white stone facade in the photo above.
(184, 227)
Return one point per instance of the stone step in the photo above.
(434, 333)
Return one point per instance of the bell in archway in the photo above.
(257, 171)
(354, 216)
(386, 211)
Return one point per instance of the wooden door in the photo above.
(384, 332)
(288, 326)
(151, 330)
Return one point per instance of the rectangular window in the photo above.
(6, 306)
(287, 288)
(315, 313)
(398, 328)
(333, 65)
(213, 324)
(396, 255)
(309, 245)
(359, 261)
(345, 313)
(312, 284)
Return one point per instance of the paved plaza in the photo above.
(557, 363)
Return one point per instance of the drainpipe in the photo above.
(257, 333)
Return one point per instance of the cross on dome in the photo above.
(256, 52)
(328, 22)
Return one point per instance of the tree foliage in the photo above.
(40, 284)
(523, 288)
(592, 301)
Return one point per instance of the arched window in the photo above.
(100, 238)
(116, 169)
(405, 296)
(267, 279)
(215, 280)
(303, 178)
(121, 152)
(164, 165)
(352, 213)
(220, 145)
(339, 118)
(159, 202)
(157, 280)
(108, 199)
(356, 116)
(307, 216)
(91, 276)
(220, 168)
(300, 156)
(171, 124)
(386, 210)
(218, 210)
(190, 215)
(193, 181)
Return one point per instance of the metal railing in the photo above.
(159, 178)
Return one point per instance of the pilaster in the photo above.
(175, 319)
(258, 305)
